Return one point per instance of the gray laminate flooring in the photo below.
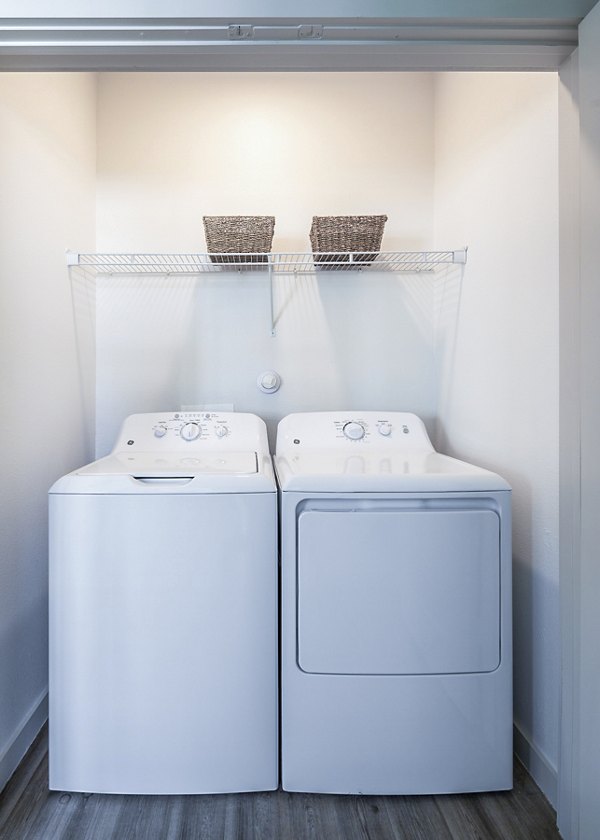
(29, 811)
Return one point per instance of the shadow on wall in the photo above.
(536, 632)
(24, 639)
(144, 348)
(83, 295)
(344, 340)
(382, 338)
(447, 292)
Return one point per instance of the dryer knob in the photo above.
(190, 431)
(221, 431)
(385, 429)
(354, 431)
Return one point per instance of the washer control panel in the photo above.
(335, 430)
(181, 430)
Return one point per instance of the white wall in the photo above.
(497, 190)
(172, 148)
(47, 168)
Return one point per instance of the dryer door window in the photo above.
(398, 591)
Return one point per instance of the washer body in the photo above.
(396, 611)
(163, 611)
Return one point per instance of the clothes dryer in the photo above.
(396, 610)
(163, 611)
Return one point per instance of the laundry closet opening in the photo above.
(130, 162)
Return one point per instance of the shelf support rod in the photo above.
(270, 259)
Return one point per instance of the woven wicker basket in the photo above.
(242, 239)
(347, 234)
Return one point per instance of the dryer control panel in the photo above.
(182, 430)
(393, 430)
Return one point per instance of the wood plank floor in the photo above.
(29, 811)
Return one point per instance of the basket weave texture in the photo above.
(346, 234)
(239, 236)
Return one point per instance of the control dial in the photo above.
(221, 431)
(385, 428)
(353, 430)
(190, 431)
(160, 431)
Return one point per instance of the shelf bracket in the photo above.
(270, 258)
(460, 256)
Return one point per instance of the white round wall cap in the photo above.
(269, 381)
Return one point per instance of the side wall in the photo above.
(497, 190)
(47, 170)
(570, 446)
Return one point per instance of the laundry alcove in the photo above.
(130, 163)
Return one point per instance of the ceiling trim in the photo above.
(257, 45)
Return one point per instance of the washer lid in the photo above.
(382, 471)
(171, 473)
(173, 464)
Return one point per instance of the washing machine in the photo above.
(396, 642)
(163, 611)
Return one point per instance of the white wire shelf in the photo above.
(274, 263)
(94, 265)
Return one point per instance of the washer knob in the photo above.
(190, 431)
(221, 431)
(160, 431)
(354, 431)
(385, 428)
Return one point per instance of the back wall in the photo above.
(175, 147)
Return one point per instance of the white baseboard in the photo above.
(23, 737)
(537, 764)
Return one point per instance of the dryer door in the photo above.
(398, 591)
